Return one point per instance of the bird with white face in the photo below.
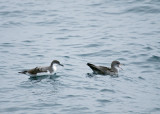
(38, 70)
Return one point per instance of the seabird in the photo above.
(34, 71)
(105, 70)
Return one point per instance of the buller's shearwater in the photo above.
(34, 71)
(105, 70)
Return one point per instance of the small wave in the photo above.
(11, 23)
(90, 88)
(40, 55)
(143, 55)
(10, 13)
(103, 100)
(95, 4)
(62, 38)
(157, 88)
(28, 41)
(154, 58)
(138, 63)
(6, 45)
(44, 23)
(102, 53)
(107, 90)
(127, 97)
(121, 59)
(128, 79)
(156, 110)
(146, 66)
(147, 71)
(72, 96)
(92, 45)
(4, 51)
(141, 78)
(142, 9)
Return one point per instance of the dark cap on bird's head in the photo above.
(56, 62)
(116, 64)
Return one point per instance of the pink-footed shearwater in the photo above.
(105, 70)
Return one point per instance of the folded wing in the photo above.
(99, 69)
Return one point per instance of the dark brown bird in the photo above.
(105, 70)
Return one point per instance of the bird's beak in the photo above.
(121, 65)
(61, 65)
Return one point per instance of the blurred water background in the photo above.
(34, 32)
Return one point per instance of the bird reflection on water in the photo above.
(41, 77)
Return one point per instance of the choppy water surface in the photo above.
(34, 32)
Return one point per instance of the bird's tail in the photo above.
(23, 72)
(91, 66)
(94, 68)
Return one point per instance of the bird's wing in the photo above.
(104, 68)
(37, 70)
(43, 69)
(93, 67)
(98, 69)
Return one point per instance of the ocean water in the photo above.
(34, 32)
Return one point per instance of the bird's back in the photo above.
(99, 69)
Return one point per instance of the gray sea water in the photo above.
(34, 32)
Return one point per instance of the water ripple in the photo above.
(141, 78)
(154, 58)
(7, 45)
(107, 90)
(11, 13)
(143, 9)
(103, 101)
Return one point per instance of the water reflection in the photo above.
(42, 77)
(91, 75)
